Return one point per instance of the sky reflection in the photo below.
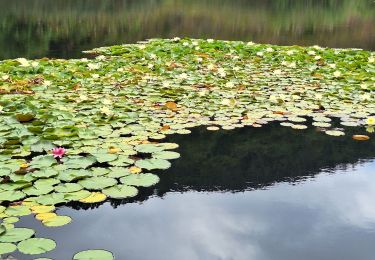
(329, 217)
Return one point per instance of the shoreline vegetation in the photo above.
(68, 27)
(88, 130)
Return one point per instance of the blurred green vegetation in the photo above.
(63, 28)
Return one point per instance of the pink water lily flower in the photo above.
(58, 152)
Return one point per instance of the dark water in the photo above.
(63, 28)
(268, 194)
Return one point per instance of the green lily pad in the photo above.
(34, 246)
(11, 220)
(142, 180)
(120, 191)
(118, 172)
(153, 164)
(16, 235)
(73, 175)
(97, 183)
(57, 221)
(6, 248)
(42, 161)
(17, 211)
(68, 187)
(51, 199)
(76, 195)
(79, 162)
(45, 173)
(39, 190)
(11, 195)
(166, 155)
(149, 148)
(93, 254)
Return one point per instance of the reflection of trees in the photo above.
(253, 158)
(65, 27)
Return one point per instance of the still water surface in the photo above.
(63, 28)
(265, 194)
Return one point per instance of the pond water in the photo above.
(63, 28)
(253, 193)
(265, 194)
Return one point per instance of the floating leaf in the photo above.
(73, 175)
(11, 220)
(149, 148)
(143, 180)
(39, 190)
(94, 197)
(118, 172)
(51, 199)
(77, 195)
(17, 211)
(45, 173)
(78, 162)
(57, 221)
(11, 195)
(335, 132)
(42, 209)
(152, 164)
(34, 246)
(361, 137)
(16, 235)
(166, 155)
(120, 192)
(97, 183)
(68, 187)
(42, 161)
(6, 248)
(45, 216)
(94, 254)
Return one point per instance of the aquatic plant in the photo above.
(104, 118)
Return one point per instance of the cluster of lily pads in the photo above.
(90, 129)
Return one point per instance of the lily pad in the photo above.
(153, 164)
(34, 246)
(16, 235)
(120, 191)
(18, 211)
(57, 221)
(97, 183)
(94, 197)
(68, 187)
(42, 161)
(93, 254)
(6, 248)
(142, 180)
(11, 195)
